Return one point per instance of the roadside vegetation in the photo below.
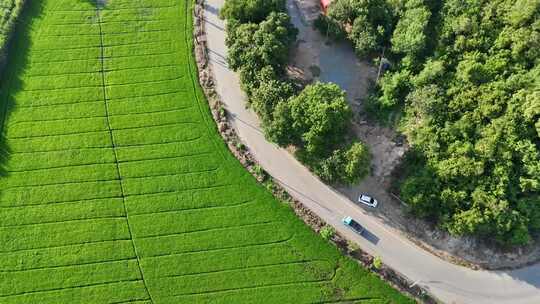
(315, 119)
(464, 86)
(116, 186)
(9, 11)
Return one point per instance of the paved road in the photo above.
(448, 282)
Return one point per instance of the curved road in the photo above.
(448, 282)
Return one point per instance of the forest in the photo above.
(464, 88)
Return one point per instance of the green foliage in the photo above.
(377, 262)
(357, 162)
(366, 38)
(471, 111)
(330, 169)
(394, 87)
(327, 232)
(345, 166)
(255, 46)
(250, 11)
(268, 95)
(330, 27)
(409, 36)
(367, 24)
(118, 187)
(315, 121)
(320, 116)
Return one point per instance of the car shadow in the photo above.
(370, 237)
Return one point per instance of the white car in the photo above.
(367, 200)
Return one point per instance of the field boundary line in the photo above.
(208, 229)
(272, 243)
(111, 70)
(15, 251)
(111, 33)
(195, 208)
(108, 147)
(101, 131)
(33, 106)
(7, 227)
(70, 265)
(102, 73)
(259, 286)
(61, 203)
(119, 21)
(109, 163)
(120, 8)
(97, 46)
(68, 288)
(241, 268)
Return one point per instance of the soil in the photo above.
(317, 58)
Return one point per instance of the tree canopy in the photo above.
(465, 84)
(471, 112)
(250, 11)
(314, 119)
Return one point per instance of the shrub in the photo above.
(377, 262)
(327, 232)
(357, 162)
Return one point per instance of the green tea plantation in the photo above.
(115, 186)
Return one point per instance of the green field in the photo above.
(116, 187)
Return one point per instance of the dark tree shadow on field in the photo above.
(10, 80)
(96, 3)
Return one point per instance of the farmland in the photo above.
(116, 187)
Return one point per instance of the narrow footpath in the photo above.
(446, 281)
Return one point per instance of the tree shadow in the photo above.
(96, 3)
(11, 81)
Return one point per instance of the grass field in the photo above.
(116, 187)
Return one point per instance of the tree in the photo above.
(255, 46)
(370, 23)
(346, 165)
(410, 34)
(366, 38)
(268, 95)
(394, 87)
(320, 116)
(250, 11)
(357, 162)
(280, 130)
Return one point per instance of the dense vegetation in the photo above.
(466, 79)
(315, 120)
(116, 186)
(9, 11)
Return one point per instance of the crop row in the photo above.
(116, 189)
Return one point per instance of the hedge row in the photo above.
(9, 11)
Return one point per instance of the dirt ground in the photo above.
(316, 58)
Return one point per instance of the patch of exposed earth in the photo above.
(316, 58)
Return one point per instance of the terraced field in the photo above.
(116, 187)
